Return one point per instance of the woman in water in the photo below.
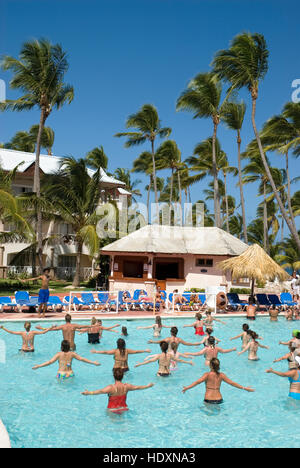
(294, 378)
(121, 354)
(244, 336)
(174, 355)
(65, 358)
(174, 339)
(295, 339)
(209, 319)
(209, 332)
(117, 392)
(290, 357)
(27, 336)
(252, 347)
(124, 331)
(213, 381)
(251, 309)
(164, 360)
(95, 331)
(211, 351)
(198, 325)
(157, 326)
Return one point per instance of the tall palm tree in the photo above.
(21, 141)
(244, 65)
(227, 169)
(233, 116)
(147, 128)
(97, 159)
(288, 257)
(168, 156)
(236, 226)
(75, 196)
(143, 164)
(47, 138)
(39, 73)
(203, 98)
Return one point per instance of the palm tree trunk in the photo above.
(171, 186)
(289, 190)
(179, 188)
(239, 141)
(37, 189)
(226, 202)
(215, 176)
(265, 220)
(154, 180)
(288, 221)
(76, 280)
(148, 198)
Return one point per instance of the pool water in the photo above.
(38, 411)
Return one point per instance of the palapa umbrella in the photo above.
(256, 264)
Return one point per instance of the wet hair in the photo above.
(211, 341)
(198, 316)
(68, 318)
(65, 346)
(94, 321)
(251, 300)
(175, 291)
(158, 320)
(174, 346)
(118, 374)
(208, 312)
(253, 334)
(209, 331)
(164, 346)
(124, 331)
(99, 321)
(27, 326)
(121, 345)
(174, 331)
(215, 365)
(246, 327)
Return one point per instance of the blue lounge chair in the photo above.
(235, 302)
(23, 299)
(104, 299)
(5, 301)
(55, 302)
(75, 301)
(88, 299)
(275, 301)
(263, 301)
(286, 299)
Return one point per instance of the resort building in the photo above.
(173, 258)
(62, 256)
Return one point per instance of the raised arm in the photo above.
(191, 325)
(197, 382)
(262, 346)
(290, 373)
(110, 352)
(132, 388)
(236, 337)
(245, 349)
(30, 279)
(87, 361)
(198, 353)
(103, 391)
(46, 330)
(286, 356)
(132, 351)
(11, 332)
(225, 351)
(154, 359)
(236, 385)
(145, 328)
(48, 363)
(185, 343)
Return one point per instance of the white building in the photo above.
(62, 257)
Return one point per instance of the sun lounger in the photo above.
(56, 303)
(263, 301)
(286, 299)
(275, 301)
(22, 299)
(6, 302)
(235, 303)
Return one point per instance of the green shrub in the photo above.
(240, 291)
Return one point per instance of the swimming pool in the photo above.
(40, 412)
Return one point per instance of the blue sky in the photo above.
(125, 53)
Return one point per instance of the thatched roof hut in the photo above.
(254, 263)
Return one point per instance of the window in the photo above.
(133, 269)
(204, 262)
(67, 261)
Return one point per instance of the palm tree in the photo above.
(97, 159)
(47, 138)
(21, 141)
(147, 128)
(236, 226)
(124, 176)
(233, 116)
(168, 156)
(244, 65)
(203, 98)
(288, 257)
(143, 164)
(75, 196)
(296, 203)
(39, 73)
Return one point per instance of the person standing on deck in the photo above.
(44, 291)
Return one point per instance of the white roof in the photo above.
(178, 240)
(9, 159)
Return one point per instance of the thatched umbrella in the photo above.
(254, 263)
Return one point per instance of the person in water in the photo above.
(245, 337)
(94, 331)
(294, 378)
(253, 346)
(273, 313)
(121, 354)
(117, 392)
(209, 332)
(289, 315)
(251, 309)
(209, 319)
(198, 325)
(164, 360)
(213, 381)
(175, 339)
(27, 336)
(65, 358)
(295, 339)
(211, 351)
(290, 357)
(68, 330)
(124, 331)
(44, 291)
(157, 326)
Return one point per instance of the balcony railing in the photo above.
(64, 273)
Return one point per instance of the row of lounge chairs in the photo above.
(265, 301)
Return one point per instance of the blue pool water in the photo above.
(40, 412)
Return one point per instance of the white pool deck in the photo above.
(4, 437)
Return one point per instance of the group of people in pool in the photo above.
(168, 358)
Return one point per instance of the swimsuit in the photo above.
(43, 296)
(199, 331)
(117, 403)
(93, 338)
(64, 375)
(250, 318)
(214, 402)
(294, 395)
